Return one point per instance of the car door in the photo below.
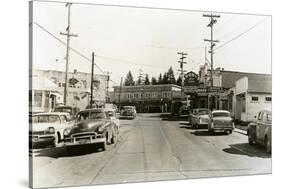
(259, 136)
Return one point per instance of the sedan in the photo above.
(220, 120)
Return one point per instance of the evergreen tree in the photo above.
(171, 76)
(179, 80)
(146, 80)
(129, 81)
(165, 79)
(153, 81)
(160, 81)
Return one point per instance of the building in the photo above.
(250, 95)
(243, 93)
(79, 87)
(147, 98)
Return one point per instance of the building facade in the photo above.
(78, 92)
(147, 98)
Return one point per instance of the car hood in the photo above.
(204, 116)
(42, 126)
(222, 119)
(88, 125)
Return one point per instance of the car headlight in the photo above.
(66, 131)
(101, 129)
(51, 130)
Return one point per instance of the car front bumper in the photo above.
(35, 140)
(84, 138)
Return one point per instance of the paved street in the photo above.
(150, 149)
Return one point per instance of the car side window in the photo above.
(260, 116)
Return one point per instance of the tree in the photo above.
(153, 81)
(171, 76)
(146, 80)
(165, 79)
(129, 81)
(179, 80)
(160, 81)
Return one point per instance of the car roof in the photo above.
(51, 113)
(92, 110)
(223, 111)
(109, 110)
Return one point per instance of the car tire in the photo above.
(103, 146)
(267, 145)
(230, 131)
(113, 140)
(250, 139)
(56, 140)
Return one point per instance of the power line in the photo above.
(79, 53)
(241, 34)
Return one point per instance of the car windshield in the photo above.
(220, 114)
(45, 119)
(202, 112)
(67, 110)
(90, 115)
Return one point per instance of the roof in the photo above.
(52, 113)
(92, 110)
(260, 84)
(230, 77)
(222, 111)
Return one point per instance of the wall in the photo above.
(254, 107)
(241, 85)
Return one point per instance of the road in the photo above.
(150, 149)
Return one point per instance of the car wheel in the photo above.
(56, 140)
(113, 139)
(230, 131)
(267, 145)
(103, 146)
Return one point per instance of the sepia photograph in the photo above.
(128, 94)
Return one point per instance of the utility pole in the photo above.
(120, 88)
(181, 62)
(212, 41)
(68, 35)
(92, 79)
(107, 84)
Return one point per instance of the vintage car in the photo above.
(199, 117)
(112, 114)
(220, 120)
(69, 109)
(47, 128)
(92, 126)
(184, 111)
(259, 130)
(128, 112)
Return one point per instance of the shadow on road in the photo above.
(206, 133)
(67, 151)
(248, 150)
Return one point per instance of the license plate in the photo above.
(83, 141)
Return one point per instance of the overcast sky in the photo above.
(136, 38)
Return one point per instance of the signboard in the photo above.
(191, 79)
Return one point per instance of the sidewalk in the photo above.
(240, 129)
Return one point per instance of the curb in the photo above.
(240, 131)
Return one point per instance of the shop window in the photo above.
(255, 99)
(38, 99)
(267, 99)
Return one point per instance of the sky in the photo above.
(127, 38)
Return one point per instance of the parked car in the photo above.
(184, 111)
(112, 114)
(92, 126)
(199, 117)
(69, 109)
(128, 112)
(259, 130)
(47, 128)
(220, 120)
